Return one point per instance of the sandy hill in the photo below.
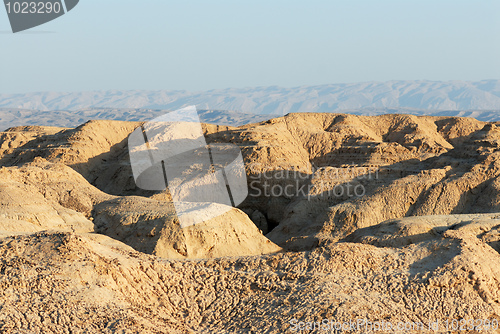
(391, 217)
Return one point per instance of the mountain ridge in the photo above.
(65, 118)
(413, 94)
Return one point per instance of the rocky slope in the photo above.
(389, 218)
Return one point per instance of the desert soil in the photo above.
(387, 220)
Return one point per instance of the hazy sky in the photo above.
(201, 45)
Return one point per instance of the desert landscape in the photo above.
(352, 224)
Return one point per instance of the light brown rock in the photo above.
(152, 227)
(422, 243)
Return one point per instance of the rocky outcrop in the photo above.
(152, 227)
(42, 196)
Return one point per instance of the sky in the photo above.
(201, 45)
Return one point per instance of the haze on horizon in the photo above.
(198, 46)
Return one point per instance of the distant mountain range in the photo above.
(10, 117)
(480, 100)
(420, 95)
